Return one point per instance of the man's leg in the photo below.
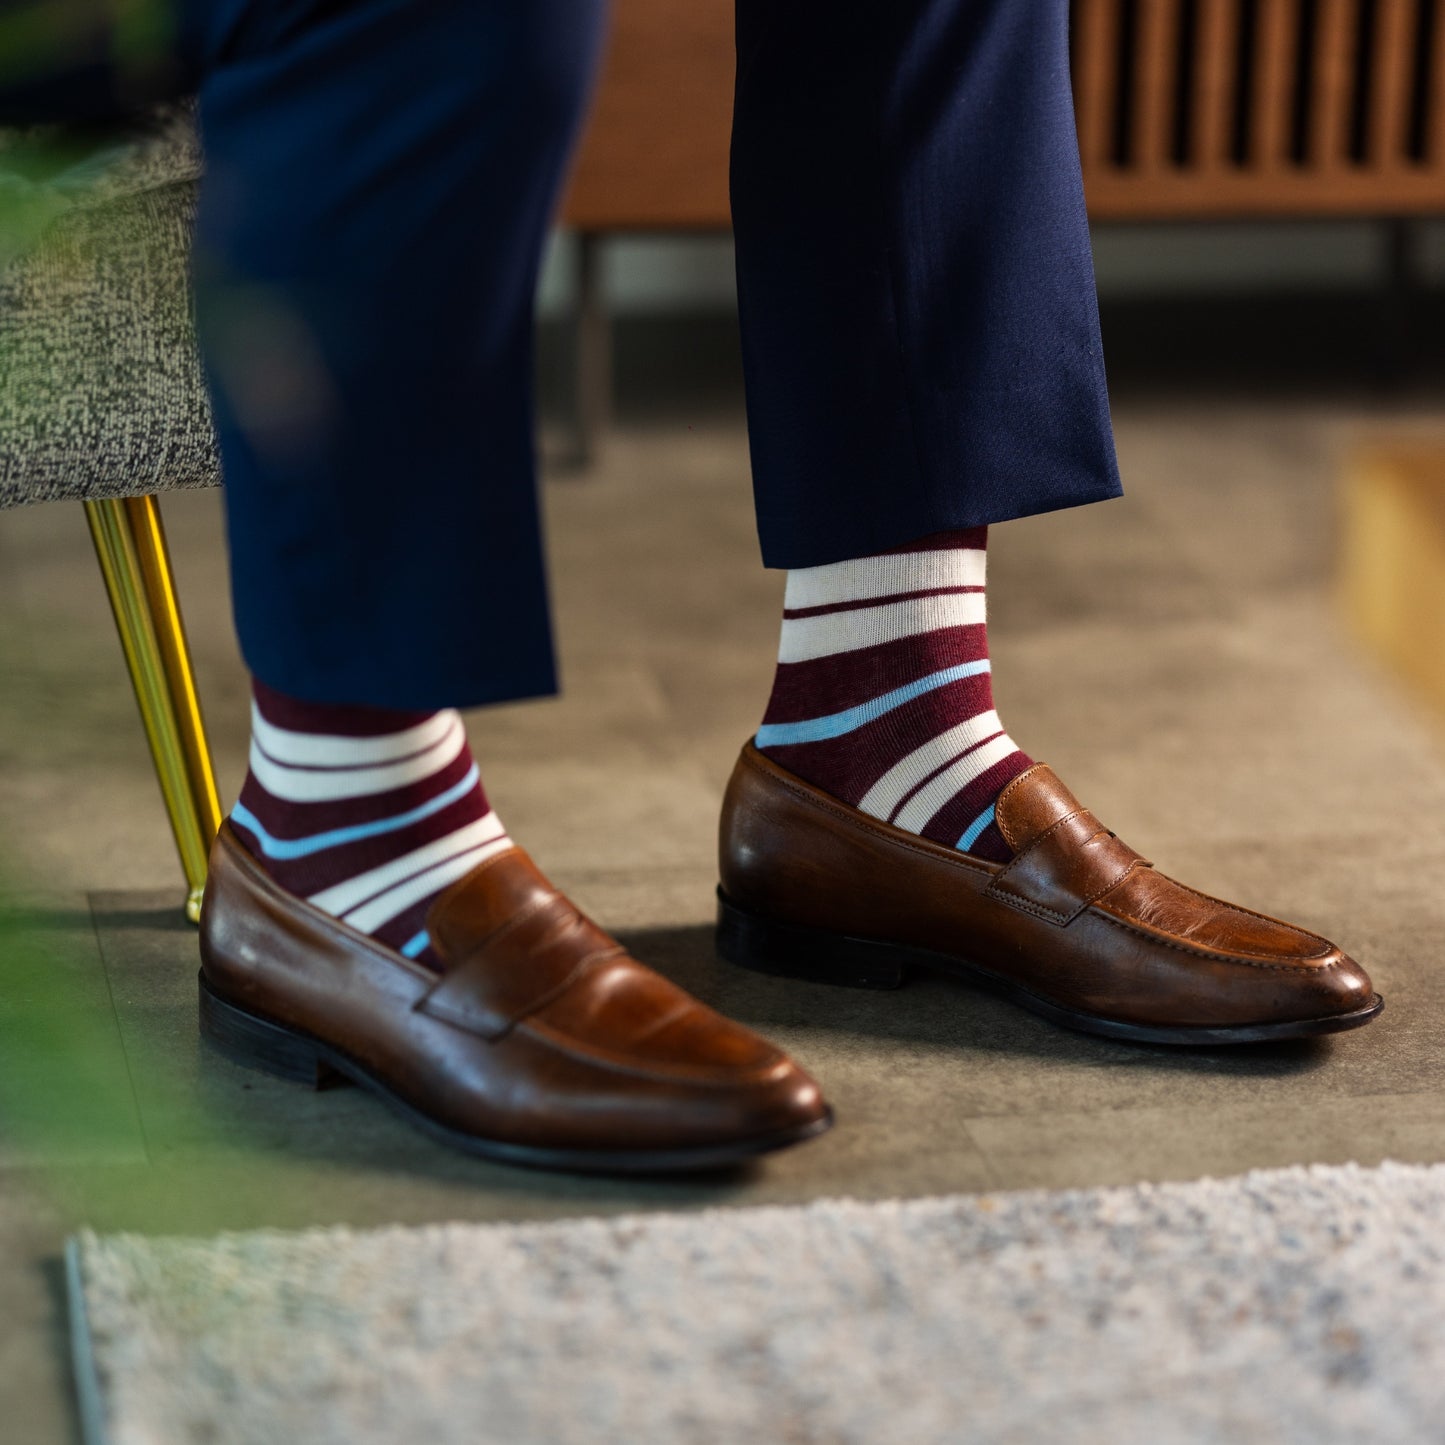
(917, 297)
(366, 257)
(922, 354)
(380, 175)
(922, 348)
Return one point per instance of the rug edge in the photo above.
(82, 1355)
(906, 1203)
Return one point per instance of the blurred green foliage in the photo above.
(51, 37)
(124, 46)
(58, 1051)
(70, 1084)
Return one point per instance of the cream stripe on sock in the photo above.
(806, 638)
(356, 891)
(911, 769)
(930, 798)
(883, 576)
(305, 785)
(385, 906)
(328, 750)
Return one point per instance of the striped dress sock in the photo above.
(366, 813)
(883, 695)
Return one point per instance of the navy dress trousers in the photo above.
(919, 325)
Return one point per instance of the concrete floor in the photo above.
(1174, 655)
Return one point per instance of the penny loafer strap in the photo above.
(545, 950)
(1064, 869)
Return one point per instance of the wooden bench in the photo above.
(1187, 110)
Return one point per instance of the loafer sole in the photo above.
(818, 956)
(257, 1042)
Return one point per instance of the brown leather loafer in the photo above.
(1077, 926)
(543, 1042)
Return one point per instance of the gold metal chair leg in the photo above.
(131, 545)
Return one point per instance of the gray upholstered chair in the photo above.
(102, 399)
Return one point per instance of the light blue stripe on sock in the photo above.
(285, 848)
(976, 827)
(414, 946)
(820, 729)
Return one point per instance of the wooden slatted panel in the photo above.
(1270, 167)
(1156, 83)
(1390, 82)
(1331, 83)
(1096, 79)
(655, 150)
(655, 154)
(1215, 80)
(1270, 108)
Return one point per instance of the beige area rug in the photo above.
(1293, 1305)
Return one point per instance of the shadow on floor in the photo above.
(935, 1010)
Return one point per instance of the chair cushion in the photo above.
(101, 388)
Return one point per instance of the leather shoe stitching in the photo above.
(1262, 917)
(753, 760)
(1020, 854)
(322, 922)
(1002, 800)
(526, 911)
(439, 902)
(1027, 905)
(851, 815)
(1324, 946)
(584, 969)
(1111, 886)
(1207, 953)
(1063, 917)
(441, 1009)
(565, 921)
(962, 860)
(1004, 896)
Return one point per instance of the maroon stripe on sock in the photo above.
(942, 767)
(315, 871)
(884, 599)
(848, 766)
(991, 846)
(911, 724)
(287, 820)
(339, 863)
(330, 718)
(825, 685)
(406, 925)
(948, 823)
(399, 879)
(332, 769)
(845, 773)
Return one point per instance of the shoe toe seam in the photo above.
(1325, 962)
(722, 1078)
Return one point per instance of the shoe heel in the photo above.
(788, 951)
(256, 1043)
